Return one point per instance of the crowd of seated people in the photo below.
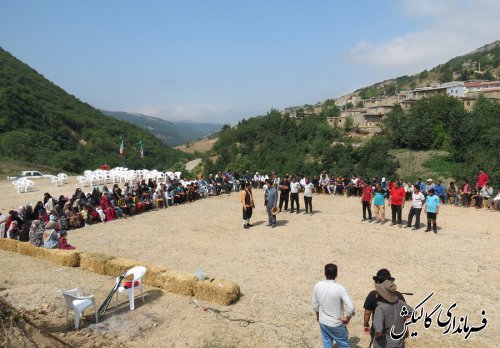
(37, 223)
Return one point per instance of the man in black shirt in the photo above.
(284, 192)
(373, 298)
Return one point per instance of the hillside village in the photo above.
(366, 114)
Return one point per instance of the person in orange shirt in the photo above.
(397, 203)
(248, 204)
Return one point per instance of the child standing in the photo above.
(432, 209)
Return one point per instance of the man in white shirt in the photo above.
(417, 200)
(308, 195)
(328, 302)
(294, 194)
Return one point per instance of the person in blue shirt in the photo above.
(440, 190)
(432, 209)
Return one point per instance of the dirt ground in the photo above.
(276, 269)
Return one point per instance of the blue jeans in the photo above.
(338, 334)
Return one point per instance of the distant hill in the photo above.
(42, 124)
(171, 133)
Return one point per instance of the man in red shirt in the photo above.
(366, 200)
(482, 179)
(397, 203)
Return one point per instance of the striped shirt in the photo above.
(328, 299)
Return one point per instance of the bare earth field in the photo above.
(276, 269)
(203, 145)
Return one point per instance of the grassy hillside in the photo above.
(42, 124)
(171, 133)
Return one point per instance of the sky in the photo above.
(221, 61)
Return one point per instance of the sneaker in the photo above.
(393, 223)
(428, 230)
(414, 228)
(406, 226)
(363, 219)
(291, 211)
(370, 220)
(245, 227)
(273, 225)
(249, 225)
(435, 231)
(269, 225)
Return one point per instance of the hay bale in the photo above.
(8, 244)
(27, 249)
(177, 282)
(70, 258)
(152, 276)
(115, 267)
(220, 291)
(94, 262)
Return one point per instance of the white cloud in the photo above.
(453, 28)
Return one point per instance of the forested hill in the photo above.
(41, 123)
(297, 146)
(171, 133)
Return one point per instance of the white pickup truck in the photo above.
(29, 174)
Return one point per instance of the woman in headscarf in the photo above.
(50, 238)
(39, 211)
(96, 196)
(48, 202)
(106, 207)
(36, 233)
(14, 231)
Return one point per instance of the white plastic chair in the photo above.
(63, 177)
(56, 180)
(82, 180)
(78, 303)
(138, 272)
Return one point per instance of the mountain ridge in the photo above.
(171, 133)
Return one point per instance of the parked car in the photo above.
(29, 174)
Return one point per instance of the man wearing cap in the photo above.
(328, 300)
(373, 299)
(428, 186)
(387, 317)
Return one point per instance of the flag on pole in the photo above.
(122, 150)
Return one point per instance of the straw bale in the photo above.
(27, 249)
(94, 262)
(8, 244)
(115, 267)
(220, 291)
(70, 258)
(152, 276)
(177, 282)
